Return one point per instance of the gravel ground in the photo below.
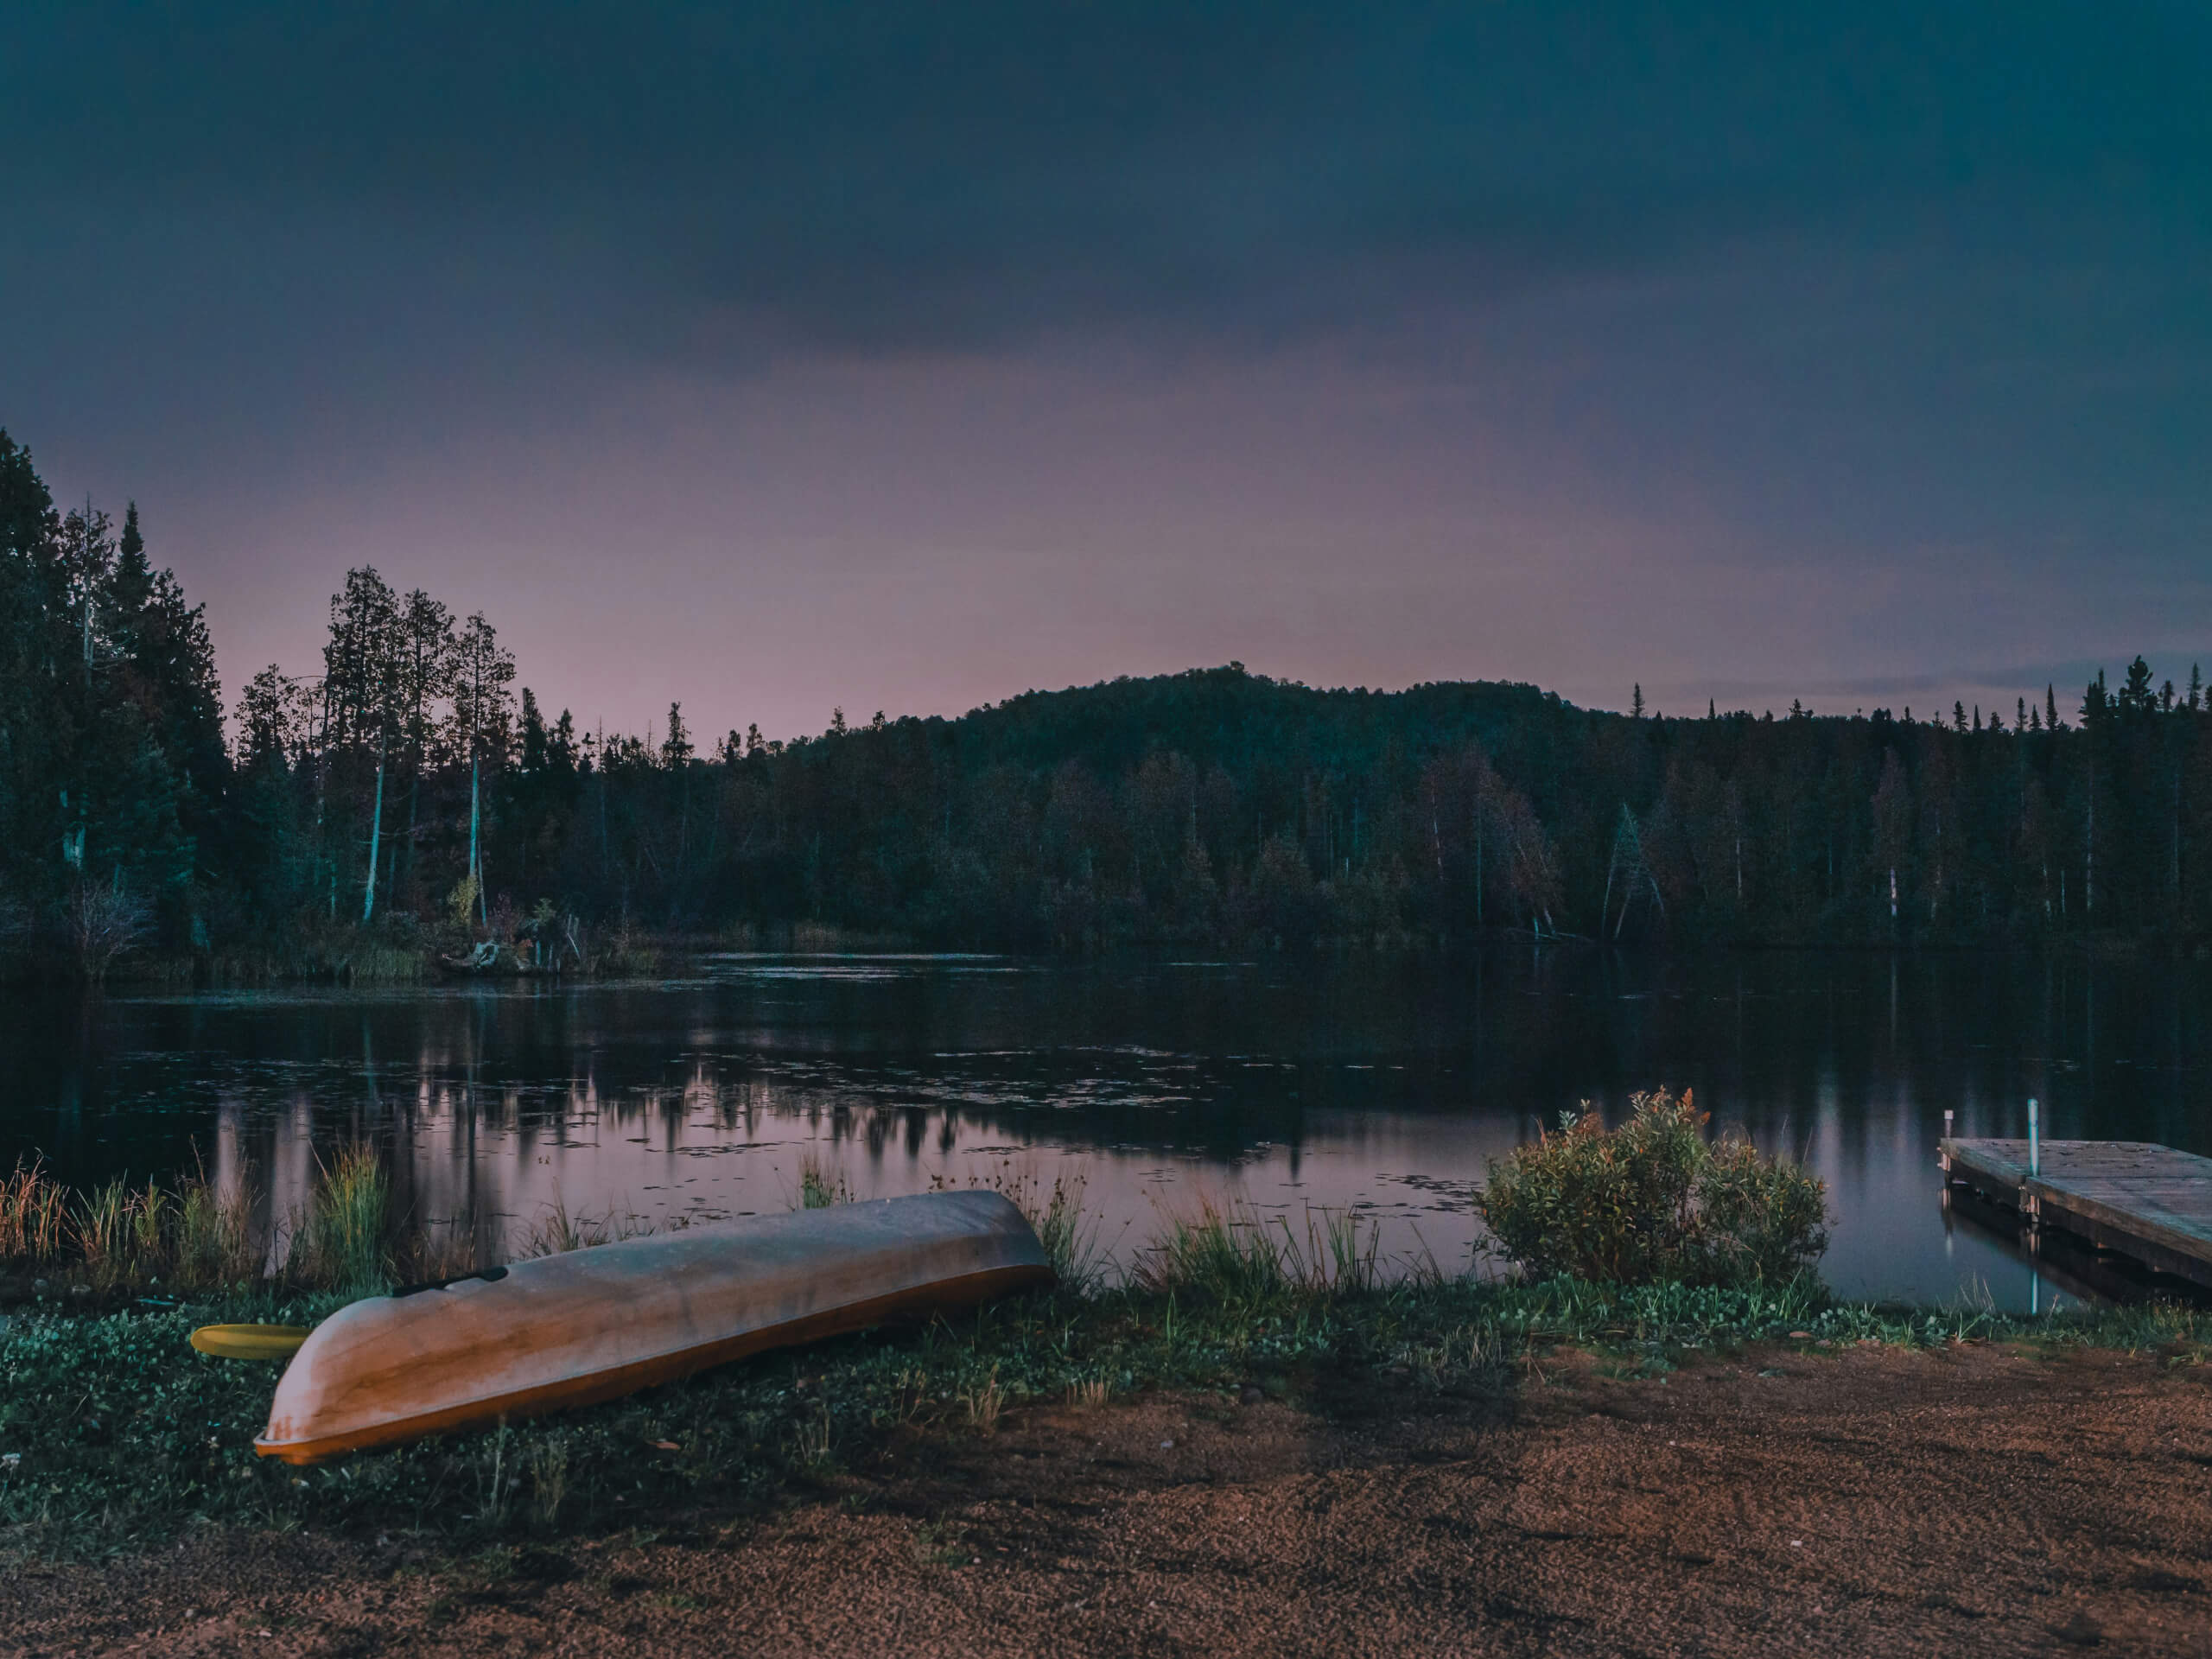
(1971, 1500)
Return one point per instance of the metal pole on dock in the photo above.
(2035, 1141)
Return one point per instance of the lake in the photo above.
(1291, 1086)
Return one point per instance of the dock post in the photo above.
(2035, 1141)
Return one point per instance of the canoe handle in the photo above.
(491, 1275)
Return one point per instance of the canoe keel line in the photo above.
(593, 1325)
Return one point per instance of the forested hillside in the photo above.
(416, 785)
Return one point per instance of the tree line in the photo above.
(413, 787)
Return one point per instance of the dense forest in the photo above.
(414, 792)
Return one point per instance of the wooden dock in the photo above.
(2149, 1202)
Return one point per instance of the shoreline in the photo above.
(373, 958)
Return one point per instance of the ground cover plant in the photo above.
(1653, 1201)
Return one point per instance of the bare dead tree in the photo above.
(102, 920)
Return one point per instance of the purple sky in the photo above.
(781, 365)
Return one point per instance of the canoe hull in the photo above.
(593, 1324)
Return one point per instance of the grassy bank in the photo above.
(114, 1433)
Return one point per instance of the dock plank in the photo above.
(2151, 1201)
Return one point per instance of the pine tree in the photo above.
(2136, 696)
(676, 752)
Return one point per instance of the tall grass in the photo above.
(33, 1209)
(1235, 1255)
(117, 1236)
(100, 1220)
(214, 1239)
(819, 1186)
(339, 1239)
(558, 1230)
(1070, 1238)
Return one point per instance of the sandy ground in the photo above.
(1870, 1501)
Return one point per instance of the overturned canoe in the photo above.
(590, 1325)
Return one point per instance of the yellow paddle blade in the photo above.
(250, 1341)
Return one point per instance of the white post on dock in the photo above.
(2035, 1141)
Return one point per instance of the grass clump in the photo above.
(117, 1237)
(337, 1241)
(820, 1186)
(1233, 1254)
(33, 1208)
(1653, 1201)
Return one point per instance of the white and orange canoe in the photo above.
(594, 1323)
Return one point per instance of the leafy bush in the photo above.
(1653, 1201)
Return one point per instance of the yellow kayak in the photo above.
(590, 1325)
(250, 1341)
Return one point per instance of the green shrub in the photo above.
(1653, 1201)
(1761, 1220)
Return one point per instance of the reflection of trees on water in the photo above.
(487, 1102)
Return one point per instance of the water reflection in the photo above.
(1381, 1086)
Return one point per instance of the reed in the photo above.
(819, 1186)
(338, 1239)
(214, 1246)
(1233, 1254)
(556, 1231)
(100, 1221)
(34, 1209)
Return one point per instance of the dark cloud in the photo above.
(915, 175)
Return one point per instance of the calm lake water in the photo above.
(1378, 1085)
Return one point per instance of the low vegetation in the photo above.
(1653, 1201)
(194, 1238)
(114, 1433)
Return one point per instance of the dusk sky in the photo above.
(779, 358)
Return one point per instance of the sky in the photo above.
(781, 357)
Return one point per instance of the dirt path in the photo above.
(1970, 1501)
